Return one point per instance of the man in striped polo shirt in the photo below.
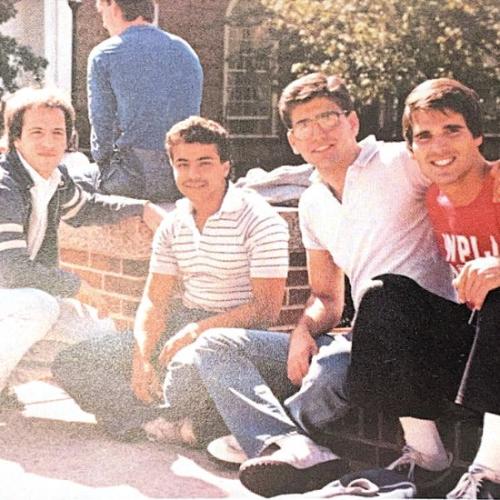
(228, 249)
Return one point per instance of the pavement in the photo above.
(52, 450)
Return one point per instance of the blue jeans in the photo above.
(133, 172)
(245, 374)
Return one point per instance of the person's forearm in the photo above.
(320, 315)
(148, 328)
(253, 315)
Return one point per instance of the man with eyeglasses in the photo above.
(364, 215)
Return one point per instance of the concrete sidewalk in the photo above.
(54, 451)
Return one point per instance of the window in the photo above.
(250, 98)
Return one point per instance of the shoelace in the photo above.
(359, 487)
(469, 484)
(410, 457)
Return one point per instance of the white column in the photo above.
(57, 42)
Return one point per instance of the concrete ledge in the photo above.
(129, 239)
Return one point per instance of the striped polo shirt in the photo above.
(244, 239)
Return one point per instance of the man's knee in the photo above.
(29, 305)
(491, 306)
(323, 396)
(219, 340)
(387, 286)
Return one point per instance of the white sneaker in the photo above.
(298, 465)
(176, 432)
(227, 449)
(476, 483)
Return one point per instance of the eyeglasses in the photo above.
(304, 129)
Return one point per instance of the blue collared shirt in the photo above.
(140, 83)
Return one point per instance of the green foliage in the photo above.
(15, 59)
(383, 48)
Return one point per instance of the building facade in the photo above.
(240, 66)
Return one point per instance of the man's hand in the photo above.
(145, 382)
(182, 338)
(153, 215)
(476, 279)
(300, 351)
(91, 296)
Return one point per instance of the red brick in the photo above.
(138, 268)
(123, 325)
(92, 278)
(123, 286)
(129, 307)
(114, 304)
(104, 263)
(298, 296)
(79, 257)
(289, 316)
(296, 278)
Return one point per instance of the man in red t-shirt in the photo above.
(443, 129)
(453, 347)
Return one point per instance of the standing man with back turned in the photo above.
(141, 81)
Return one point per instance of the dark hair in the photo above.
(132, 9)
(27, 98)
(310, 86)
(197, 129)
(443, 94)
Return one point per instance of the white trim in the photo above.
(156, 15)
(11, 228)
(10, 245)
(57, 34)
(272, 118)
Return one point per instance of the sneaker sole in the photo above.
(273, 478)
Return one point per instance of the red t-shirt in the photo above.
(468, 232)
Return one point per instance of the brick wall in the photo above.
(114, 260)
(201, 23)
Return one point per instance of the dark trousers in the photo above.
(412, 350)
(97, 375)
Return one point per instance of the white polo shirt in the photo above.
(245, 239)
(381, 226)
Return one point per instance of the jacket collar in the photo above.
(16, 169)
(21, 176)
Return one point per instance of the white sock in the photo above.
(423, 436)
(488, 454)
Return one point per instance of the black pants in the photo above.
(97, 375)
(412, 350)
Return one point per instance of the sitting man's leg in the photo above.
(97, 374)
(408, 354)
(76, 322)
(323, 395)
(245, 373)
(26, 316)
(480, 392)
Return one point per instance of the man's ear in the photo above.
(291, 141)
(227, 168)
(353, 120)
